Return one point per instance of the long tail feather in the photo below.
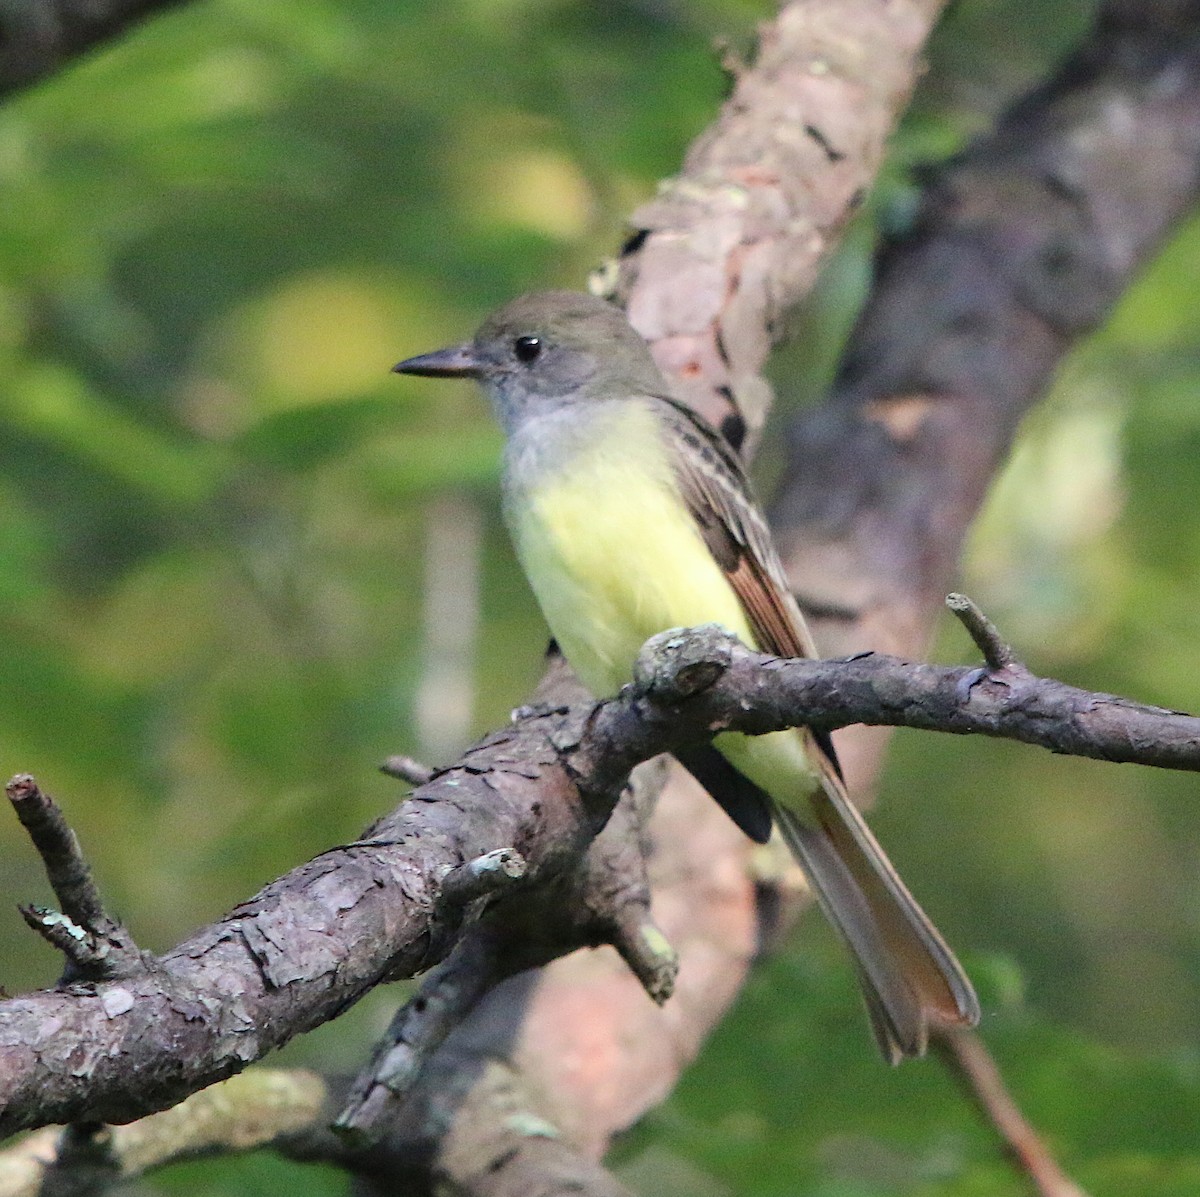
(909, 977)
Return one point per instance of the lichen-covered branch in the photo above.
(300, 951)
(96, 946)
(267, 1106)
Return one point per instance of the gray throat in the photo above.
(543, 443)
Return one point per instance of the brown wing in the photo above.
(715, 489)
(910, 979)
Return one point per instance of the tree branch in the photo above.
(37, 37)
(265, 1106)
(97, 947)
(298, 953)
(122, 1049)
(725, 250)
(699, 682)
(884, 479)
(1020, 247)
(980, 1077)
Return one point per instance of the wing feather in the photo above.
(910, 978)
(715, 488)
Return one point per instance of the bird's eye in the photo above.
(527, 348)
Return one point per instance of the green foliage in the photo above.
(778, 1106)
(220, 532)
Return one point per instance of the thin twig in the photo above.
(996, 652)
(483, 876)
(419, 1028)
(68, 872)
(970, 1061)
(407, 768)
(96, 946)
(81, 948)
(647, 952)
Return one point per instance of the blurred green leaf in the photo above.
(304, 437)
(215, 553)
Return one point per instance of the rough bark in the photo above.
(114, 1050)
(395, 903)
(1020, 247)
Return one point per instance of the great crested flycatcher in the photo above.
(631, 515)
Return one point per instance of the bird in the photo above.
(631, 515)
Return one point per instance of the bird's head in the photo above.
(548, 347)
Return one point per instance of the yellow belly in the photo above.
(614, 556)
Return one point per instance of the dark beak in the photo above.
(459, 361)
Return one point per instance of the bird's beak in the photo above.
(459, 361)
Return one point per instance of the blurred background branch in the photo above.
(39, 37)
